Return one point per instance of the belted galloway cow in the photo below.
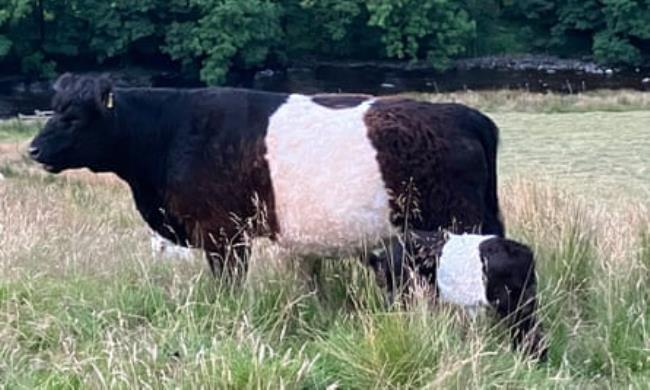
(211, 168)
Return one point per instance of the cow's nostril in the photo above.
(33, 151)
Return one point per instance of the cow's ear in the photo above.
(104, 93)
(64, 82)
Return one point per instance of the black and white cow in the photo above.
(469, 270)
(314, 173)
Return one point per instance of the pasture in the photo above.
(83, 304)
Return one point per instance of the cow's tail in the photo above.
(489, 137)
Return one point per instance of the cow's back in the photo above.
(333, 171)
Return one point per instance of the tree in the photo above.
(339, 23)
(433, 29)
(227, 33)
(626, 22)
(102, 29)
(612, 30)
(12, 13)
(21, 26)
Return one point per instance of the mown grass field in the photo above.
(83, 304)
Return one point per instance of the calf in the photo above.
(471, 271)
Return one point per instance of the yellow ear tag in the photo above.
(109, 101)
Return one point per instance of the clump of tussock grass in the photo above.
(387, 350)
(523, 101)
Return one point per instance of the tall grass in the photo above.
(85, 305)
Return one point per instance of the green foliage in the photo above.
(35, 64)
(614, 49)
(614, 30)
(5, 45)
(432, 29)
(333, 16)
(97, 28)
(329, 28)
(12, 13)
(228, 32)
(210, 38)
(625, 20)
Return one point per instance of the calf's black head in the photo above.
(81, 132)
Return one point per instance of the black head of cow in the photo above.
(81, 132)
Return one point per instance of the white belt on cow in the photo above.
(460, 277)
